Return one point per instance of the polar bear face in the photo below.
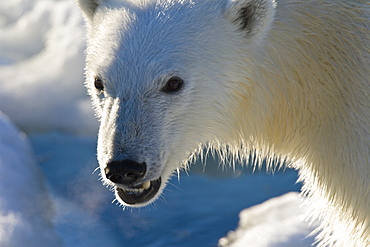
(161, 76)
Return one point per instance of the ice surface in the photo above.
(41, 66)
(278, 222)
(26, 210)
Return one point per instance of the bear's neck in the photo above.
(306, 102)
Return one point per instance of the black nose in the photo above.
(125, 172)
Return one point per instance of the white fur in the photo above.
(294, 88)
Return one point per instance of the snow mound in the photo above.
(42, 64)
(278, 222)
(26, 211)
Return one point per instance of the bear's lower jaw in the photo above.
(132, 196)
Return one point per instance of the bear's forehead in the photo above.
(155, 22)
(158, 22)
(157, 32)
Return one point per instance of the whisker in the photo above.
(96, 169)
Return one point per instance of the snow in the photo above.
(49, 192)
(41, 66)
(26, 211)
(281, 220)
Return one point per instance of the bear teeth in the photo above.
(141, 189)
(146, 185)
(127, 190)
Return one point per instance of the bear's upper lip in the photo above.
(138, 194)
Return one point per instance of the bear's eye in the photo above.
(173, 85)
(98, 83)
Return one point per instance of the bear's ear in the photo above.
(88, 8)
(253, 17)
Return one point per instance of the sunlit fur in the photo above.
(295, 90)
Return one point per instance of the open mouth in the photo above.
(139, 194)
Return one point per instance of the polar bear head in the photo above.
(163, 76)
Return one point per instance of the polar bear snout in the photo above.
(126, 172)
(131, 188)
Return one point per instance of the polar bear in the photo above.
(284, 80)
